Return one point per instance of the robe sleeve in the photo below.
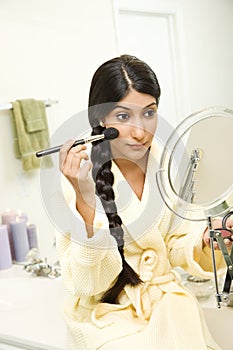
(88, 265)
(185, 249)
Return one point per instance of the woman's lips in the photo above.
(137, 146)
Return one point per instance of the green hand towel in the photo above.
(30, 132)
(34, 114)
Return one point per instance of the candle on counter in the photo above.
(5, 252)
(22, 216)
(20, 239)
(32, 236)
(7, 217)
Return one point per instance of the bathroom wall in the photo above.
(208, 31)
(50, 49)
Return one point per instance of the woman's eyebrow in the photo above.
(119, 106)
(127, 108)
(151, 104)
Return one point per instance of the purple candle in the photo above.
(5, 252)
(7, 217)
(32, 236)
(20, 240)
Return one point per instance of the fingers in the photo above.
(216, 246)
(85, 184)
(84, 170)
(207, 242)
(63, 152)
(227, 242)
(229, 223)
(70, 158)
(73, 160)
(226, 234)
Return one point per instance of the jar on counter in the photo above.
(202, 288)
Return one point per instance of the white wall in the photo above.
(208, 34)
(51, 49)
(48, 49)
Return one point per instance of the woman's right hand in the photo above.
(83, 184)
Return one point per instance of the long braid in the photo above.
(110, 83)
(104, 179)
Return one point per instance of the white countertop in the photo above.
(31, 313)
(219, 321)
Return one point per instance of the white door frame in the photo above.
(173, 14)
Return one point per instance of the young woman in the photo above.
(118, 270)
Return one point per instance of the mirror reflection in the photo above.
(208, 144)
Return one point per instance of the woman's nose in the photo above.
(138, 132)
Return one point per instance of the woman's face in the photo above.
(135, 117)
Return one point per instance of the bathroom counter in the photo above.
(31, 313)
(219, 321)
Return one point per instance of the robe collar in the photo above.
(139, 216)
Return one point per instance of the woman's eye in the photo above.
(122, 116)
(150, 113)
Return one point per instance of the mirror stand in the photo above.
(216, 235)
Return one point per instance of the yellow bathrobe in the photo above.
(156, 315)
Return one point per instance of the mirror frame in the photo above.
(182, 208)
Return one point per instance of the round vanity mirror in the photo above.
(195, 176)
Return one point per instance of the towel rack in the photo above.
(48, 103)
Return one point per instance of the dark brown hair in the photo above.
(110, 83)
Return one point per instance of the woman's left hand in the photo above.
(217, 224)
